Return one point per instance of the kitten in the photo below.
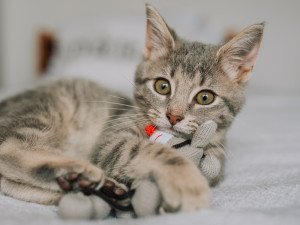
(74, 133)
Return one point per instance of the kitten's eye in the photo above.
(205, 97)
(162, 86)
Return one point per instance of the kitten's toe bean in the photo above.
(93, 186)
(109, 183)
(73, 176)
(84, 183)
(79, 175)
(64, 184)
(119, 191)
(114, 185)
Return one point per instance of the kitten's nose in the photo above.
(174, 119)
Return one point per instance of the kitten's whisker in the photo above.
(139, 92)
(109, 119)
(220, 149)
(117, 119)
(124, 123)
(225, 150)
(114, 96)
(143, 123)
(118, 109)
(115, 103)
(124, 115)
(238, 120)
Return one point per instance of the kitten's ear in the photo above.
(238, 56)
(159, 39)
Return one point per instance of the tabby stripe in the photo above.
(160, 152)
(141, 81)
(229, 106)
(112, 156)
(172, 72)
(203, 79)
(134, 151)
(98, 151)
(224, 123)
(132, 131)
(142, 99)
(210, 146)
(176, 161)
(30, 123)
(7, 134)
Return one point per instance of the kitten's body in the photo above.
(76, 126)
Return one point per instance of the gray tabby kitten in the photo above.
(74, 133)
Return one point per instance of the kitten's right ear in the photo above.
(159, 39)
(238, 56)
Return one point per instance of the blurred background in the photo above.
(103, 40)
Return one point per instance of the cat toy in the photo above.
(144, 197)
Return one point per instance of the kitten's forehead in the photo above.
(192, 59)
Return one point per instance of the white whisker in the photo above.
(114, 96)
(118, 109)
(124, 115)
(115, 103)
(123, 118)
(139, 92)
(124, 123)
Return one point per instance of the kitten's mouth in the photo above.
(173, 131)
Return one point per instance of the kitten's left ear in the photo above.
(238, 56)
(159, 37)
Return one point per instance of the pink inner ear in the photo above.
(250, 59)
(247, 65)
(148, 45)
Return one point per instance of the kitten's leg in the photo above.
(181, 184)
(212, 164)
(46, 170)
(29, 193)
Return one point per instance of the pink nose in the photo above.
(174, 119)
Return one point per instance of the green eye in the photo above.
(205, 97)
(162, 86)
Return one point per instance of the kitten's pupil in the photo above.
(205, 97)
(163, 86)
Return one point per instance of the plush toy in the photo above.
(144, 198)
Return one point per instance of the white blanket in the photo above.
(262, 183)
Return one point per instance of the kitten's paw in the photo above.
(184, 189)
(79, 175)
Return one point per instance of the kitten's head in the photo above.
(181, 84)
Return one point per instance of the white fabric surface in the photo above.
(262, 183)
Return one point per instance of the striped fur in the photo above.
(74, 125)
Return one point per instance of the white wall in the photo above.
(277, 67)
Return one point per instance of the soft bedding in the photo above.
(262, 183)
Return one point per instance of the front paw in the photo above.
(78, 175)
(183, 188)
